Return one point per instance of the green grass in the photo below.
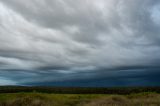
(44, 99)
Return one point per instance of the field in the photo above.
(36, 96)
(43, 99)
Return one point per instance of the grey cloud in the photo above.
(75, 38)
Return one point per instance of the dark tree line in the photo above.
(79, 90)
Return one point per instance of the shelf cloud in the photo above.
(80, 42)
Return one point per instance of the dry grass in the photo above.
(25, 100)
(109, 101)
(146, 99)
(40, 99)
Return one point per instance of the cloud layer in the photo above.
(63, 40)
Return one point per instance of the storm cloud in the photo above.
(83, 41)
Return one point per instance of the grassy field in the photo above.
(46, 99)
(79, 96)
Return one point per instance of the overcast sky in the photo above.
(80, 42)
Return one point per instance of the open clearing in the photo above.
(46, 99)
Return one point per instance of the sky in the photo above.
(93, 43)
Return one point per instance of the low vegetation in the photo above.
(45, 99)
(61, 96)
(79, 90)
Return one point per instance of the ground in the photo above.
(46, 99)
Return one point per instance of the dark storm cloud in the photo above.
(65, 40)
(145, 77)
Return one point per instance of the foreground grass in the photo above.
(44, 99)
